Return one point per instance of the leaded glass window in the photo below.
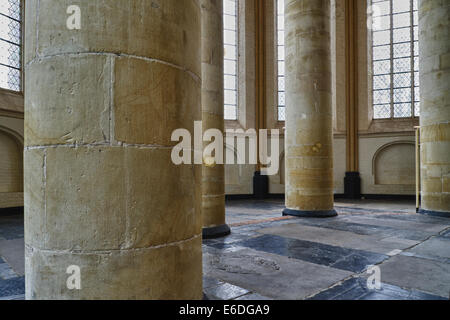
(395, 59)
(10, 45)
(281, 105)
(230, 24)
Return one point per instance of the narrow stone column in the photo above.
(102, 195)
(309, 152)
(434, 38)
(213, 180)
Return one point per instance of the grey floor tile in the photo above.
(419, 274)
(435, 247)
(270, 275)
(6, 272)
(14, 251)
(224, 291)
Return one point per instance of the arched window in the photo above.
(280, 61)
(395, 59)
(10, 45)
(230, 36)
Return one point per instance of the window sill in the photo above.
(393, 125)
(11, 92)
(11, 101)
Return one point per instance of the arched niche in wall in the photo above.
(394, 164)
(11, 161)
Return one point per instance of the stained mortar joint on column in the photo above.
(194, 76)
(109, 251)
(37, 27)
(44, 176)
(99, 144)
(213, 195)
(111, 101)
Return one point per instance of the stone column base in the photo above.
(435, 213)
(310, 214)
(216, 232)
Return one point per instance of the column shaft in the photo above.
(434, 38)
(101, 191)
(213, 177)
(309, 152)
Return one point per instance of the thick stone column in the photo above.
(309, 152)
(434, 39)
(213, 175)
(101, 191)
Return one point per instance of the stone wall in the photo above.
(11, 149)
(373, 134)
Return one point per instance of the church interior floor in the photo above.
(271, 257)
(268, 256)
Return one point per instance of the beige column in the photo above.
(102, 196)
(434, 39)
(309, 156)
(213, 175)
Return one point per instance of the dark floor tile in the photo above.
(377, 296)
(348, 290)
(395, 292)
(318, 253)
(12, 287)
(391, 292)
(357, 262)
(356, 289)
(416, 295)
(254, 297)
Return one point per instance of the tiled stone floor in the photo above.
(268, 256)
(12, 282)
